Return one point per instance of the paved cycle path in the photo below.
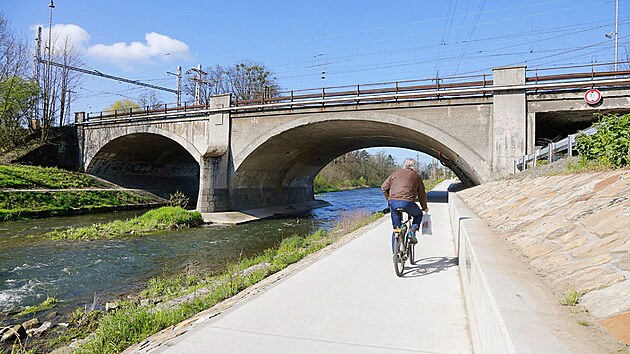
(350, 301)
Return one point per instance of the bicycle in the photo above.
(403, 249)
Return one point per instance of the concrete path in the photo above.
(350, 301)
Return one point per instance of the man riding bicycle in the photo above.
(401, 189)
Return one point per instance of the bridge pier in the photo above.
(213, 165)
(509, 120)
(213, 184)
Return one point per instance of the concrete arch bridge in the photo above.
(247, 155)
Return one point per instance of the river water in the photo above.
(77, 272)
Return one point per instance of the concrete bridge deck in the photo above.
(350, 301)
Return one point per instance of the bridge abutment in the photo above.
(509, 119)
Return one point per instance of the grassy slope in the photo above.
(36, 199)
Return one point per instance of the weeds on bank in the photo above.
(47, 304)
(132, 322)
(571, 297)
(154, 220)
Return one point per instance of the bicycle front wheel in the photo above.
(399, 261)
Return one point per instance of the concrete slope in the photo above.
(350, 301)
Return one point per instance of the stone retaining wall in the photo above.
(574, 229)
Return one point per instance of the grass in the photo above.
(41, 201)
(47, 304)
(21, 177)
(19, 205)
(131, 323)
(584, 323)
(154, 220)
(571, 297)
(584, 165)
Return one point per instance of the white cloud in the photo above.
(157, 46)
(76, 36)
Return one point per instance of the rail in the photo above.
(393, 91)
(551, 151)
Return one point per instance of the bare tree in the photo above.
(59, 82)
(150, 100)
(245, 81)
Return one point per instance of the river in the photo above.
(78, 272)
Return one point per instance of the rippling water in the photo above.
(32, 268)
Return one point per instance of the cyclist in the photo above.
(401, 189)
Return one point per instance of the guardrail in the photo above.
(430, 88)
(550, 152)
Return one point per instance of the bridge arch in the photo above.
(279, 166)
(152, 159)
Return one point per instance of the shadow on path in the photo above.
(428, 266)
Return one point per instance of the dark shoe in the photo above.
(412, 238)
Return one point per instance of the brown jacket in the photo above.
(405, 184)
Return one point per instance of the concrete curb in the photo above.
(509, 309)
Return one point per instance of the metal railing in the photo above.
(551, 151)
(393, 91)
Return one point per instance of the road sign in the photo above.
(592, 96)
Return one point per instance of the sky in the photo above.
(311, 44)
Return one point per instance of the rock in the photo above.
(13, 333)
(41, 329)
(110, 306)
(30, 324)
(63, 350)
(63, 324)
(260, 266)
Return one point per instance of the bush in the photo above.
(610, 145)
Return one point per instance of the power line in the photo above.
(112, 77)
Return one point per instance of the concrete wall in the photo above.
(509, 309)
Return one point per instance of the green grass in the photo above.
(585, 165)
(154, 220)
(47, 304)
(21, 177)
(17, 205)
(132, 323)
(571, 297)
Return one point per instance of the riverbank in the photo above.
(38, 192)
(167, 301)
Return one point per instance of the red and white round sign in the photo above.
(592, 96)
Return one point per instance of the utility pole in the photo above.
(178, 91)
(36, 66)
(198, 78)
(616, 33)
(47, 112)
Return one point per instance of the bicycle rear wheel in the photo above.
(399, 261)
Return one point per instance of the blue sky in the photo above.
(349, 41)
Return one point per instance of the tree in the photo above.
(17, 93)
(245, 81)
(122, 105)
(251, 81)
(17, 98)
(150, 100)
(58, 82)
